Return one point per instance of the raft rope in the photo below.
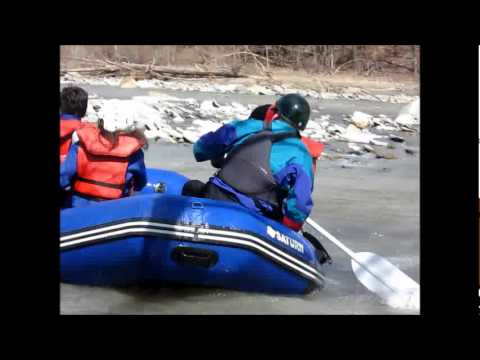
(189, 233)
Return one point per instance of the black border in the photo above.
(449, 182)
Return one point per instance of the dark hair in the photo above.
(74, 100)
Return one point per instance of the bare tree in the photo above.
(416, 56)
(330, 59)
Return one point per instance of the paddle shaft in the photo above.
(331, 238)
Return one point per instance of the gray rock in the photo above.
(368, 148)
(396, 138)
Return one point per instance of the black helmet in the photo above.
(294, 109)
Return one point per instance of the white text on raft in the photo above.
(294, 244)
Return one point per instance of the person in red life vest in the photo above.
(104, 165)
(73, 106)
(268, 112)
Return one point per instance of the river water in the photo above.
(368, 204)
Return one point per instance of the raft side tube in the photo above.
(170, 238)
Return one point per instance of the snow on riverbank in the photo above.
(186, 119)
(170, 118)
(180, 120)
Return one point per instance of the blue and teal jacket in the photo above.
(290, 162)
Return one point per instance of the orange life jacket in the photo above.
(315, 149)
(271, 113)
(101, 170)
(67, 127)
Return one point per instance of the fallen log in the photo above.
(411, 69)
(125, 69)
(184, 72)
(88, 70)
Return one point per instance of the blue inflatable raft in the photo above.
(158, 235)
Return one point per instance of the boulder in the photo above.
(361, 119)
(128, 82)
(409, 114)
(354, 134)
(406, 119)
(396, 138)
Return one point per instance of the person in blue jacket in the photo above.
(102, 165)
(263, 165)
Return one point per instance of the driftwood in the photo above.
(88, 70)
(112, 68)
(409, 68)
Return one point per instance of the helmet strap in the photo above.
(291, 123)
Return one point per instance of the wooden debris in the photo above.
(144, 71)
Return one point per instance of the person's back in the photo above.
(289, 162)
(103, 165)
(268, 113)
(73, 106)
(286, 152)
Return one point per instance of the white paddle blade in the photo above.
(386, 280)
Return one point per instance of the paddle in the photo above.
(379, 275)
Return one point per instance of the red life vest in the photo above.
(315, 149)
(271, 113)
(67, 127)
(101, 170)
